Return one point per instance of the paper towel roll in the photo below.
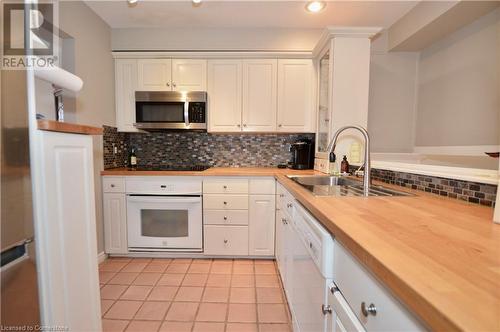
(61, 78)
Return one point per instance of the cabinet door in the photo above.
(125, 86)
(154, 74)
(259, 95)
(226, 240)
(261, 223)
(189, 75)
(224, 95)
(296, 96)
(115, 224)
(279, 247)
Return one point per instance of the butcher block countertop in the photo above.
(439, 256)
(66, 127)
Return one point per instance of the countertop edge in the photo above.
(65, 127)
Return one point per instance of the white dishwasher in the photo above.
(312, 270)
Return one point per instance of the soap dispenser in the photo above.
(344, 165)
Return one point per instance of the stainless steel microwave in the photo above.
(171, 110)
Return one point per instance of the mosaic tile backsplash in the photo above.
(111, 139)
(199, 148)
(478, 193)
(265, 150)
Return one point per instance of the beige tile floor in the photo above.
(199, 295)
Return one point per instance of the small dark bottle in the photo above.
(132, 159)
(344, 165)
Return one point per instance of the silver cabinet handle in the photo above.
(368, 310)
(326, 309)
(168, 83)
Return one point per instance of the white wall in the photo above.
(215, 39)
(95, 103)
(459, 87)
(392, 98)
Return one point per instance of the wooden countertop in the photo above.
(439, 256)
(214, 171)
(65, 127)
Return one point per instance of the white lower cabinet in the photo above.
(373, 305)
(115, 223)
(261, 225)
(226, 240)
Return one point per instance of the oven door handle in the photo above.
(163, 199)
(186, 113)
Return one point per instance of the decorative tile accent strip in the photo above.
(112, 138)
(478, 193)
(222, 150)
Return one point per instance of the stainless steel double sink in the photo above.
(326, 185)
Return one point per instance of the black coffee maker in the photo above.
(302, 154)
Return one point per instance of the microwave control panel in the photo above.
(197, 112)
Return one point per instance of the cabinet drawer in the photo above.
(358, 286)
(225, 217)
(113, 184)
(225, 186)
(262, 186)
(225, 202)
(226, 240)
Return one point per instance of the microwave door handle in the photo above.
(186, 113)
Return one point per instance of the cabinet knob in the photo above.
(280, 125)
(225, 241)
(225, 187)
(282, 195)
(326, 309)
(289, 205)
(174, 85)
(225, 217)
(225, 203)
(238, 125)
(368, 310)
(244, 125)
(283, 220)
(168, 83)
(112, 185)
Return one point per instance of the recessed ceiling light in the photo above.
(315, 6)
(132, 1)
(196, 2)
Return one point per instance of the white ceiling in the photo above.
(248, 14)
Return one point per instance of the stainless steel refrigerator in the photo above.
(19, 291)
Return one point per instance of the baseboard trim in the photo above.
(101, 257)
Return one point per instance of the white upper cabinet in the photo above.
(224, 95)
(154, 74)
(189, 75)
(125, 86)
(296, 96)
(259, 95)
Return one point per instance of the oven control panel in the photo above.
(166, 185)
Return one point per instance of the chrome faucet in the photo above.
(366, 163)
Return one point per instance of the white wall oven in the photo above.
(164, 214)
